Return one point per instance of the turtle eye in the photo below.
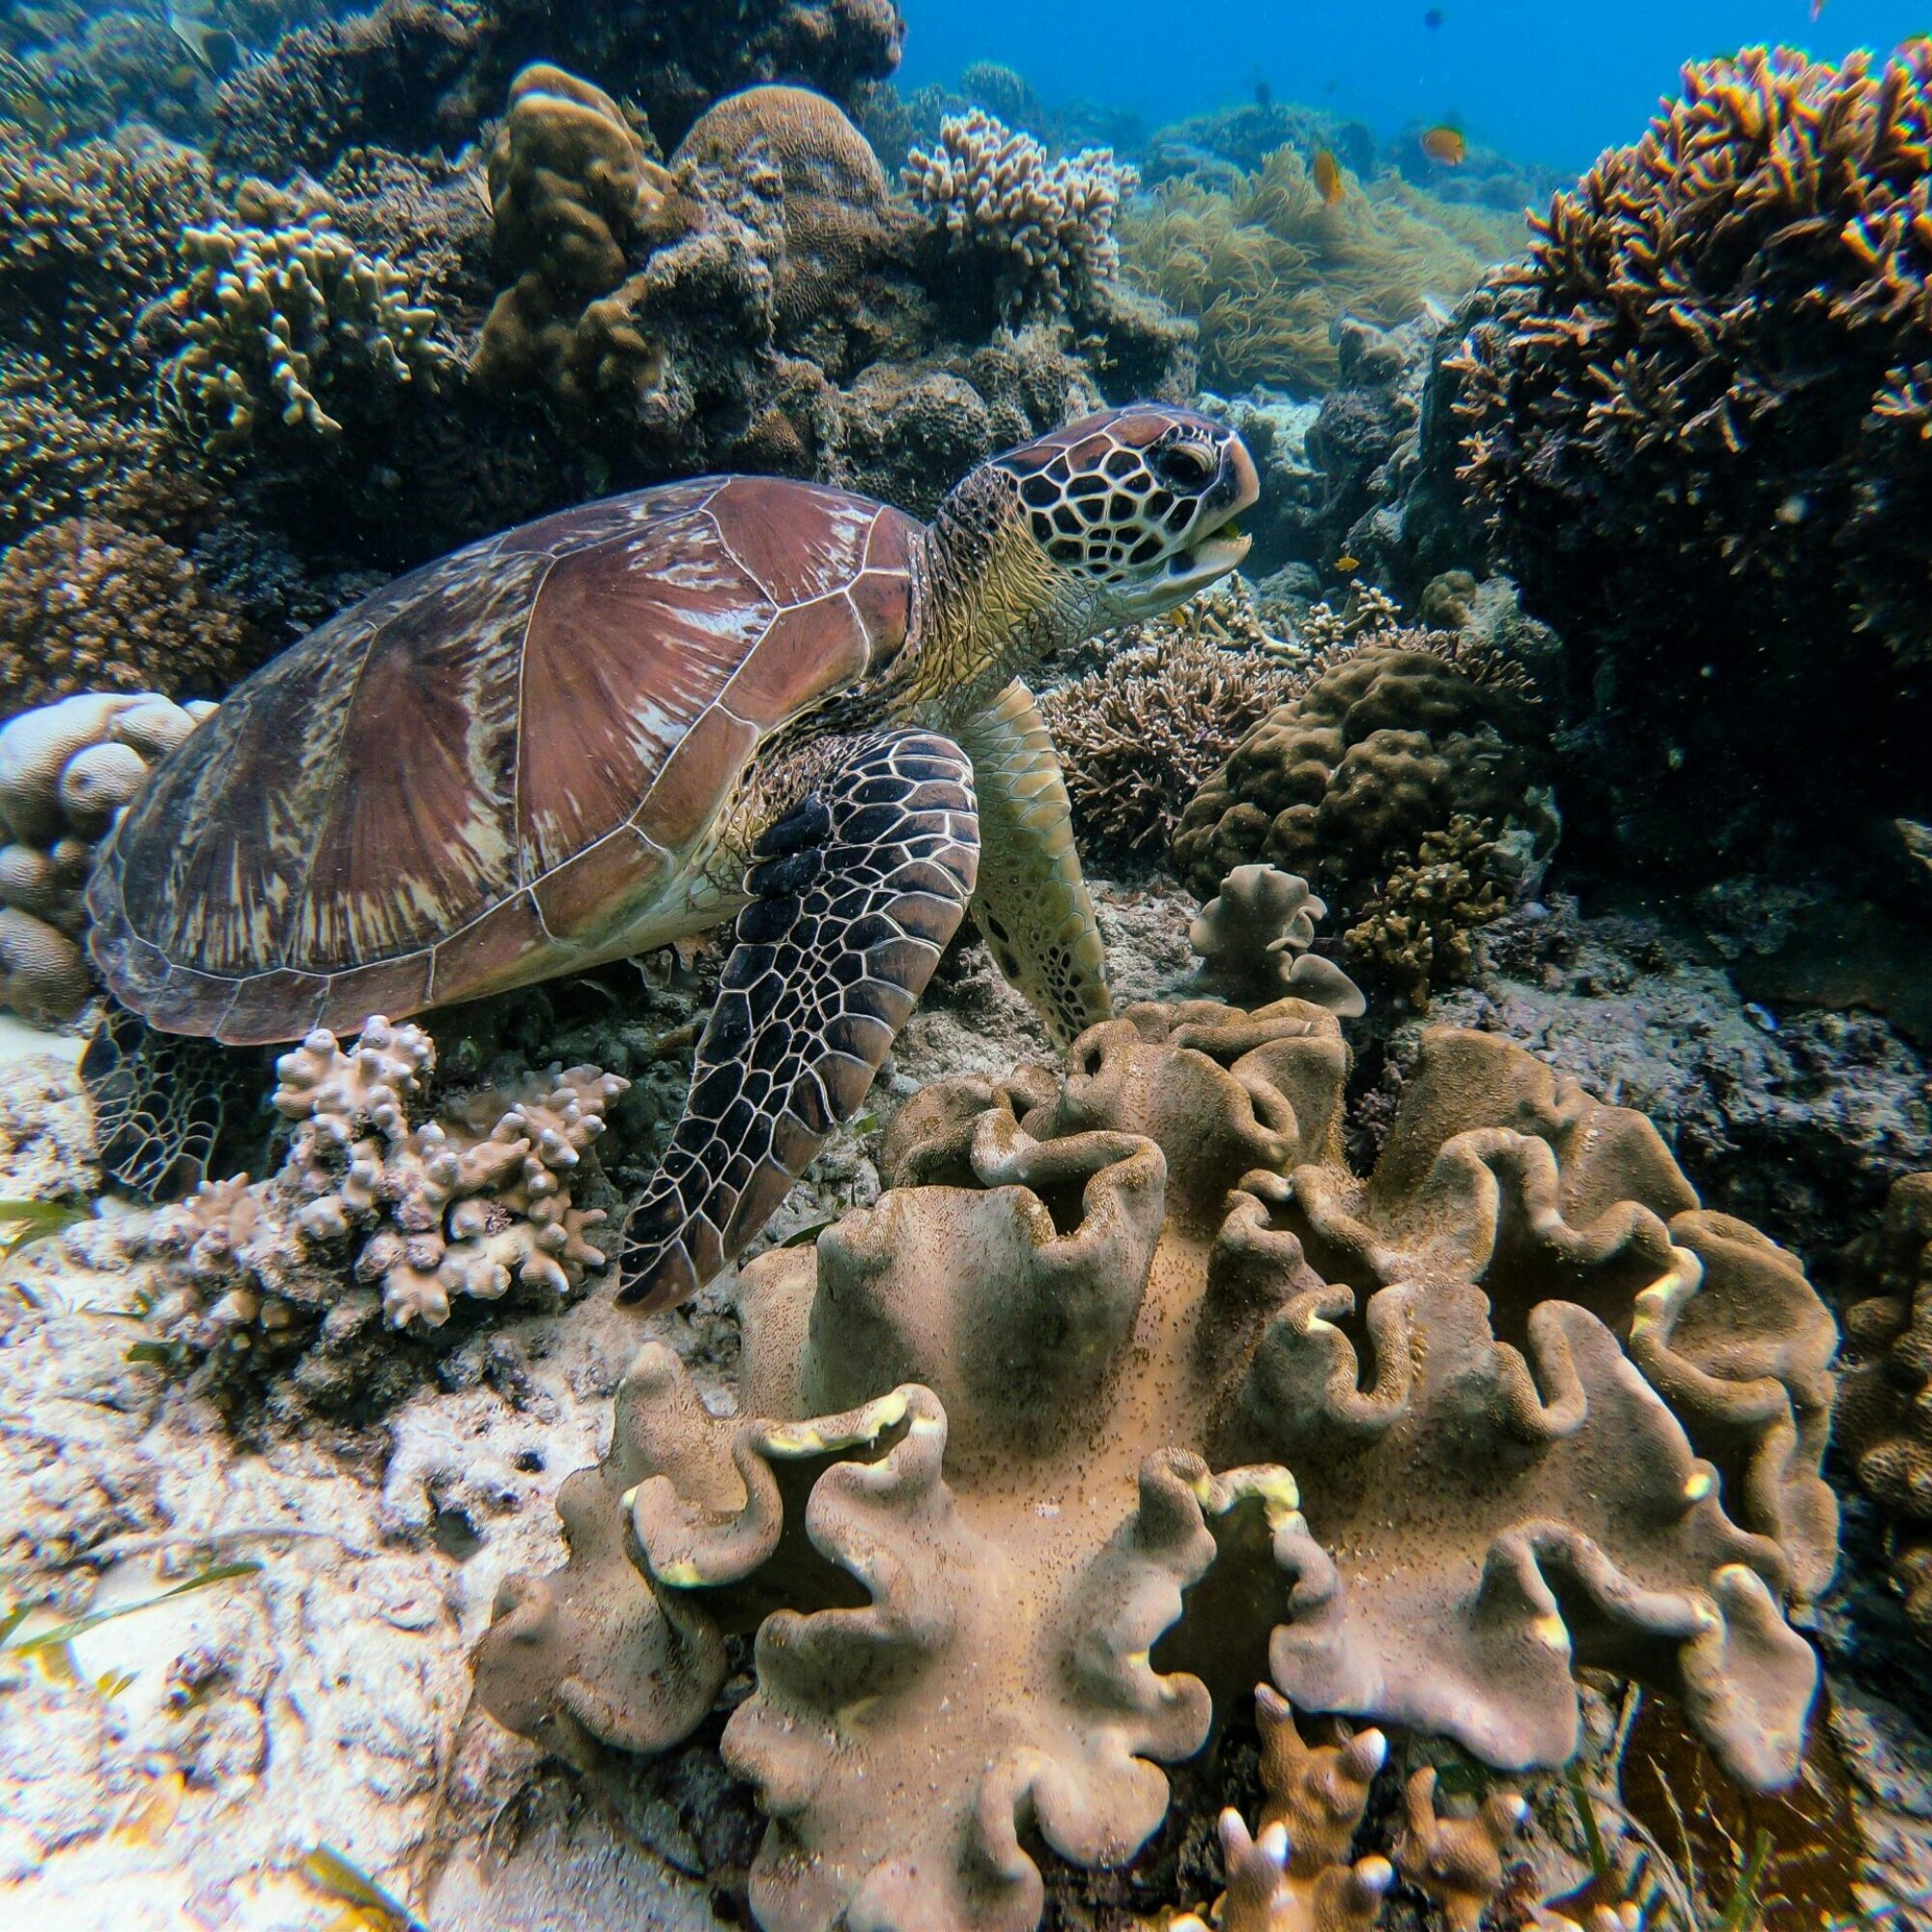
(1182, 465)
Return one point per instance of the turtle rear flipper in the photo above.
(855, 893)
(163, 1103)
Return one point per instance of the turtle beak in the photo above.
(1217, 545)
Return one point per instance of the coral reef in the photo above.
(1138, 736)
(481, 1196)
(1390, 740)
(1269, 269)
(60, 452)
(277, 319)
(1884, 1419)
(1415, 931)
(1253, 938)
(88, 603)
(1513, 1405)
(1691, 420)
(66, 769)
(1043, 230)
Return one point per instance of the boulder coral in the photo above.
(1130, 1392)
(1387, 743)
(477, 1199)
(1043, 230)
(66, 769)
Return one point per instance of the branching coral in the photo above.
(66, 769)
(1693, 399)
(277, 318)
(1885, 1408)
(1045, 228)
(467, 1203)
(1270, 270)
(60, 450)
(1127, 1384)
(1415, 931)
(1138, 737)
(1253, 938)
(86, 604)
(1389, 742)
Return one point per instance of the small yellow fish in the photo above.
(1445, 144)
(1348, 563)
(1327, 176)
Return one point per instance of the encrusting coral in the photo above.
(1253, 938)
(1127, 1384)
(274, 320)
(66, 769)
(1389, 742)
(1884, 1418)
(1045, 229)
(479, 1197)
(88, 603)
(1270, 271)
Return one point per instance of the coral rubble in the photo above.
(66, 769)
(1129, 1384)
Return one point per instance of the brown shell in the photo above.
(479, 774)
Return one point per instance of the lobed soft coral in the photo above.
(1044, 229)
(66, 770)
(466, 1203)
(1389, 740)
(1270, 271)
(1254, 938)
(275, 319)
(1129, 1383)
(87, 604)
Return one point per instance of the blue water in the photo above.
(1539, 80)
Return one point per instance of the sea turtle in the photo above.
(737, 697)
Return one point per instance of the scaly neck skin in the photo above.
(988, 605)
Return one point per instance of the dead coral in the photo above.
(1138, 737)
(1692, 402)
(1045, 229)
(972, 1495)
(1389, 742)
(1270, 271)
(1884, 1417)
(88, 605)
(1416, 929)
(275, 320)
(66, 769)
(467, 1203)
(1253, 938)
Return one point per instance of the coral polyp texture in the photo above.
(1044, 228)
(1885, 1408)
(476, 1199)
(66, 769)
(1129, 1386)
(1388, 743)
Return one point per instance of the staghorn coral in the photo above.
(275, 319)
(66, 769)
(1129, 1381)
(87, 604)
(1044, 230)
(1253, 938)
(1139, 736)
(1415, 931)
(1270, 271)
(466, 1203)
(1884, 1418)
(1387, 742)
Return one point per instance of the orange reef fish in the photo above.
(1348, 563)
(1327, 173)
(1446, 144)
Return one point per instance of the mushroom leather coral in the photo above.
(1129, 1386)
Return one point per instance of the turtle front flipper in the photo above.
(163, 1103)
(1031, 902)
(855, 892)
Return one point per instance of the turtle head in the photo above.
(1134, 510)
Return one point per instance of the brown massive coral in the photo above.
(1129, 1390)
(1384, 747)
